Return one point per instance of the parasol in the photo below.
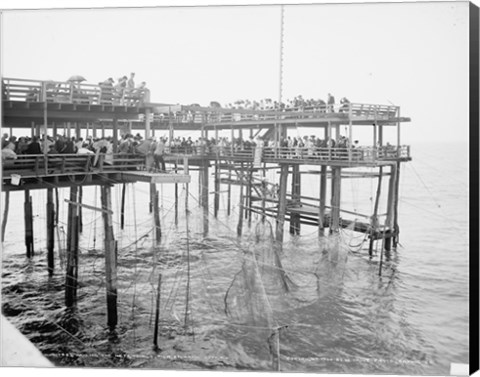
(77, 78)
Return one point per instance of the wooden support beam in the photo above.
(323, 199)
(335, 201)
(282, 204)
(176, 196)
(115, 135)
(156, 216)
(240, 206)
(122, 207)
(216, 196)
(80, 217)
(204, 196)
(152, 197)
(110, 257)
(396, 229)
(374, 220)
(389, 221)
(50, 231)
(5, 213)
(71, 280)
(248, 214)
(296, 193)
(229, 190)
(28, 220)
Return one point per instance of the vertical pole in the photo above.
(375, 211)
(156, 216)
(335, 207)
(110, 257)
(294, 217)
(78, 134)
(80, 199)
(186, 172)
(54, 131)
(152, 197)
(282, 204)
(94, 129)
(45, 126)
(176, 196)
(396, 229)
(264, 191)
(50, 231)
(205, 196)
(229, 189)
(115, 135)
(323, 197)
(157, 313)
(122, 208)
(389, 222)
(217, 189)
(147, 123)
(72, 250)
(248, 213)
(240, 206)
(28, 224)
(5, 213)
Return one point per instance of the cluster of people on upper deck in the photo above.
(124, 91)
(298, 103)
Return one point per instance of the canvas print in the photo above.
(274, 188)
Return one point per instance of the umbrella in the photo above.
(77, 78)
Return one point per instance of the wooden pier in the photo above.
(47, 108)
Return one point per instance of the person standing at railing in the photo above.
(21, 146)
(158, 156)
(330, 103)
(345, 105)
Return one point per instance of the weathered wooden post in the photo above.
(176, 195)
(282, 203)
(28, 224)
(374, 220)
(204, 174)
(50, 231)
(396, 229)
(240, 205)
(216, 194)
(71, 282)
(323, 198)
(296, 193)
(229, 190)
(249, 198)
(335, 206)
(389, 221)
(80, 199)
(152, 197)
(156, 216)
(122, 207)
(110, 257)
(5, 214)
(157, 313)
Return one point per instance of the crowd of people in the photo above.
(124, 91)
(298, 103)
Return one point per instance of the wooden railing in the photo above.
(359, 154)
(58, 164)
(70, 92)
(203, 115)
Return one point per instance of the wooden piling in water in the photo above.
(156, 216)
(152, 197)
(50, 231)
(249, 198)
(216, 197)
(282, 203)
(389, 221)
(110, 257)
(5, 214)
(240, 205)
(176, 196)
(374, 220)
(396, 229)
(122, 207)
(28, 224)
(335, 206)
(204, 196)
(157, 313)
(71, 282)
(323, 198)
(296, 193)
(80, 217)
(229, 190)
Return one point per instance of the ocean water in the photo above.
(334, 311)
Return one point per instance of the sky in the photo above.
(414, 55)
